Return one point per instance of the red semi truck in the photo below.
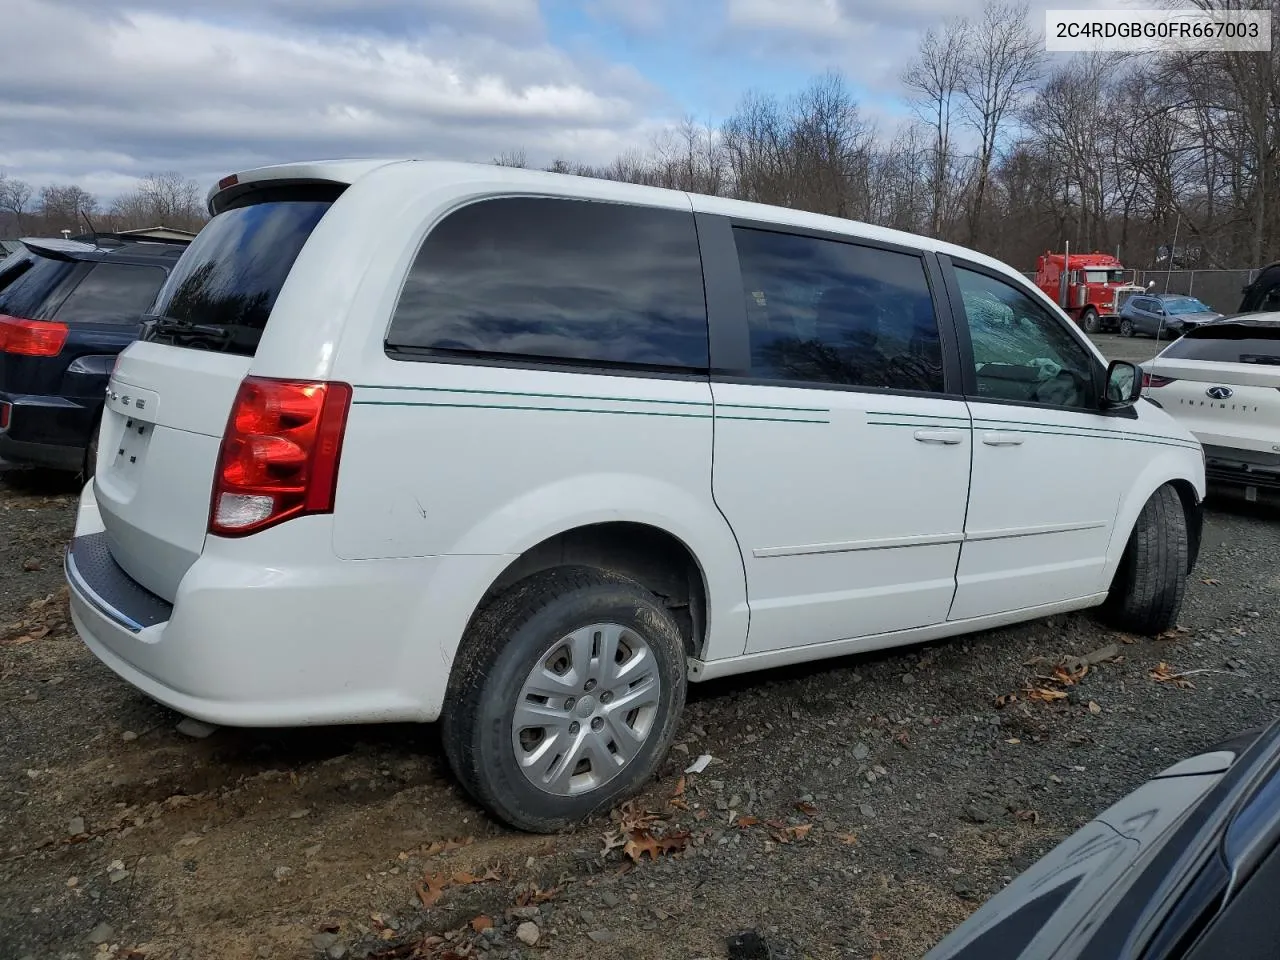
(1091, 287)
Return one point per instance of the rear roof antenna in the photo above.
(92, 231)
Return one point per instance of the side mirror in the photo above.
(1124, 385)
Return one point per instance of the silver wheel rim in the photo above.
(586, 709)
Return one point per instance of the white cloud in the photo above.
(117, 96)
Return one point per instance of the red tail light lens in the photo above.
(1151, 380)
(280, 453)
(5, 411)
(31, 338)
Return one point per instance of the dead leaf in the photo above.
(700, 815)
(1210, 581)
(1070, 674)
(808, 809)
(643, 842)
(847, 838)
(1044, 694)
(612, 841)
(1005, 699)
(1175, 634)
(744, 822)
(1027, 816)
(431, 889)
(1093, 707)
(481, 923)
(633, 817)
(445, 846)
(1164, 674)
(1013, 740)
(903, 739)
(800, 831)
(679, 788)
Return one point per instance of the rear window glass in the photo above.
(1229, 343)
(559, 280)
(113, 293)
(33, 287)
(228, 279)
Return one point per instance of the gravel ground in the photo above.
(854, 808)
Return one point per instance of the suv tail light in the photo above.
(279, 455)
(1152, 380)
(31, 338)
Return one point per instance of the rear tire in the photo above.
(1126, 327)
(529, 635)
(1147, 592)
(1089, 321)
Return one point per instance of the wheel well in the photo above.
(650, 556)
(1194, 510)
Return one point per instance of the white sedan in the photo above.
(1222, 381)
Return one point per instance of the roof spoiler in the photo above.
(57, 248)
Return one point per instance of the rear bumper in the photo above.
(279, 641)
(47, 431)
(1235, 467)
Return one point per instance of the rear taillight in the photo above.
(1151, 380)
(279, 456)
(6, 410)
(31, 338)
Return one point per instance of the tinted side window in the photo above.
(559, 280)
(823, 311)
(113, 293)
(35, 292)
(1020, 350)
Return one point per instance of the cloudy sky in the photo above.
(99, 93)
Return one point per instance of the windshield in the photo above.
(1185, 305)
(228, 279)
(1104, 276)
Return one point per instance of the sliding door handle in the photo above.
(948, 437)
(1002, 439)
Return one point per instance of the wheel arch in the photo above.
(1166, 470)
(650, 555)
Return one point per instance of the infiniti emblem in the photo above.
(1218, 393)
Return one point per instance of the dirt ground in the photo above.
(854, 808)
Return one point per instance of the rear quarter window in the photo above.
(558, 280)
(112, 293)
(33, 287)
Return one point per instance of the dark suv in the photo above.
(67, 308)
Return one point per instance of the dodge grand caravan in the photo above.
(527, 453)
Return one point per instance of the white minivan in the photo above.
(526, 453)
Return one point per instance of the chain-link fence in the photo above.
(1221, 290)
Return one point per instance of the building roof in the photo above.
(160, 232)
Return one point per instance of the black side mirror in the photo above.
(1124, 385)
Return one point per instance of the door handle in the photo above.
(949, 437)
(1002, 439)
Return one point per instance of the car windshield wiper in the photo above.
(186, 329)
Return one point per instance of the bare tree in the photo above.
(934, 80)
(64, 207)
(159, 199)
(511, 158)
(1002, 65)
(15, 196)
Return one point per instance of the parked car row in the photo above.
(67, 308)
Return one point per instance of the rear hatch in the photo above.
(1222, 381)
(32, 287)
(172, 391)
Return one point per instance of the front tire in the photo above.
(564, 698)
(1147, 592)
(1089, 321)
(1126, 327)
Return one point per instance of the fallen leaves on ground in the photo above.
(1211, 582)
(1005, 699)
(677, 801)
(808, 809)
(433, 887)
(1177, 633)
(1069, 677)
(612, 841)
(1043, 694)
(849, 839)
(481, 923)
(43, 616)
(437, 847)
(1027, 816)
(643, 842)
(534, 894)
(744, 822)
(785, 834)
(631, 817)
(1163, 673)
